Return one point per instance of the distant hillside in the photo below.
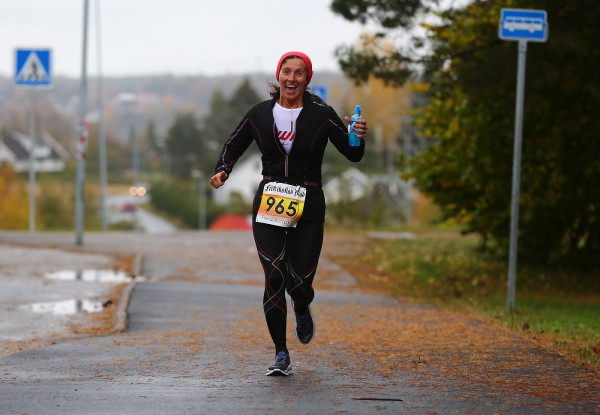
(131, 102)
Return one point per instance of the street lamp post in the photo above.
(82, 144)
(101, 127)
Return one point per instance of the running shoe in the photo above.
(305, 325)
(282, 365)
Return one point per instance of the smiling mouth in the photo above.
(291, 87)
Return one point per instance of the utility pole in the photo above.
(83, 133)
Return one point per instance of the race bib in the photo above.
(281, 204)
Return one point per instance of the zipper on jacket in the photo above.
(291, 147)
(280, 146)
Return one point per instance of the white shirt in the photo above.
(285, 120)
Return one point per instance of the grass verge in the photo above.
(558, 309)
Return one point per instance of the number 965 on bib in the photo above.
(281, 204)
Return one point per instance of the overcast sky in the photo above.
(180, 37)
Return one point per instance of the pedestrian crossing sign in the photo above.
(33, 68)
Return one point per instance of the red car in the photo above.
(128, 207)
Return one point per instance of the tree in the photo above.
(469, 118)
(14, 211)
(385, 107)
(372, 56)
(185, 145)
(223, 116)
(192, 146)
(243, 98)
(218, 124)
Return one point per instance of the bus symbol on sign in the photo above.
(518, 24)
(532, 25)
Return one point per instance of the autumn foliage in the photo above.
(13, 200)
(470, 118)
(468, 115)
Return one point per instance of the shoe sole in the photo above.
(280, 372)
(314, 327)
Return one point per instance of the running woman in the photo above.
(291, 131)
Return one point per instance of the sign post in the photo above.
(522, 26)
(32, 71)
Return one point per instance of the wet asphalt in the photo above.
(194, 342)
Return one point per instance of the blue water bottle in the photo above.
(353, 140)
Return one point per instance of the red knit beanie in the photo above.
(304, 57)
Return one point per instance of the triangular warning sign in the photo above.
(33, 70)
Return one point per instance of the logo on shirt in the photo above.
(286, 136)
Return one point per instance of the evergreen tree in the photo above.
(244, 98)
(222, 118)
(185, 145)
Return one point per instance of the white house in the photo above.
(49, 155)
(244, 179)
(352, 184)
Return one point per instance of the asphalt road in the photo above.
(196, 343)
(143, 219)
(47, 293)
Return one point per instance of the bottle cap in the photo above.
(358, 109)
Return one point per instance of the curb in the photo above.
(120, 317)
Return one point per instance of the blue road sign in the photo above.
(520, 24)
(320, 91)
(33, 68)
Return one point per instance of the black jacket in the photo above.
(316, 124)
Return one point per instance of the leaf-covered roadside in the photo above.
(446, 270)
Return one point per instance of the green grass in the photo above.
(558, 308)
(568, 325)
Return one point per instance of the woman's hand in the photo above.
(218, 179)
(360, 127)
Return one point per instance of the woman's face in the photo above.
(292, 81)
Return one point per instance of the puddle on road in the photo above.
(66, 307)
(91, 275)
(79, 306)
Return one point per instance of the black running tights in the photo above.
(289, 257)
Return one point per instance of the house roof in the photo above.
(15, 147)
(46, 146)
(48, 154)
